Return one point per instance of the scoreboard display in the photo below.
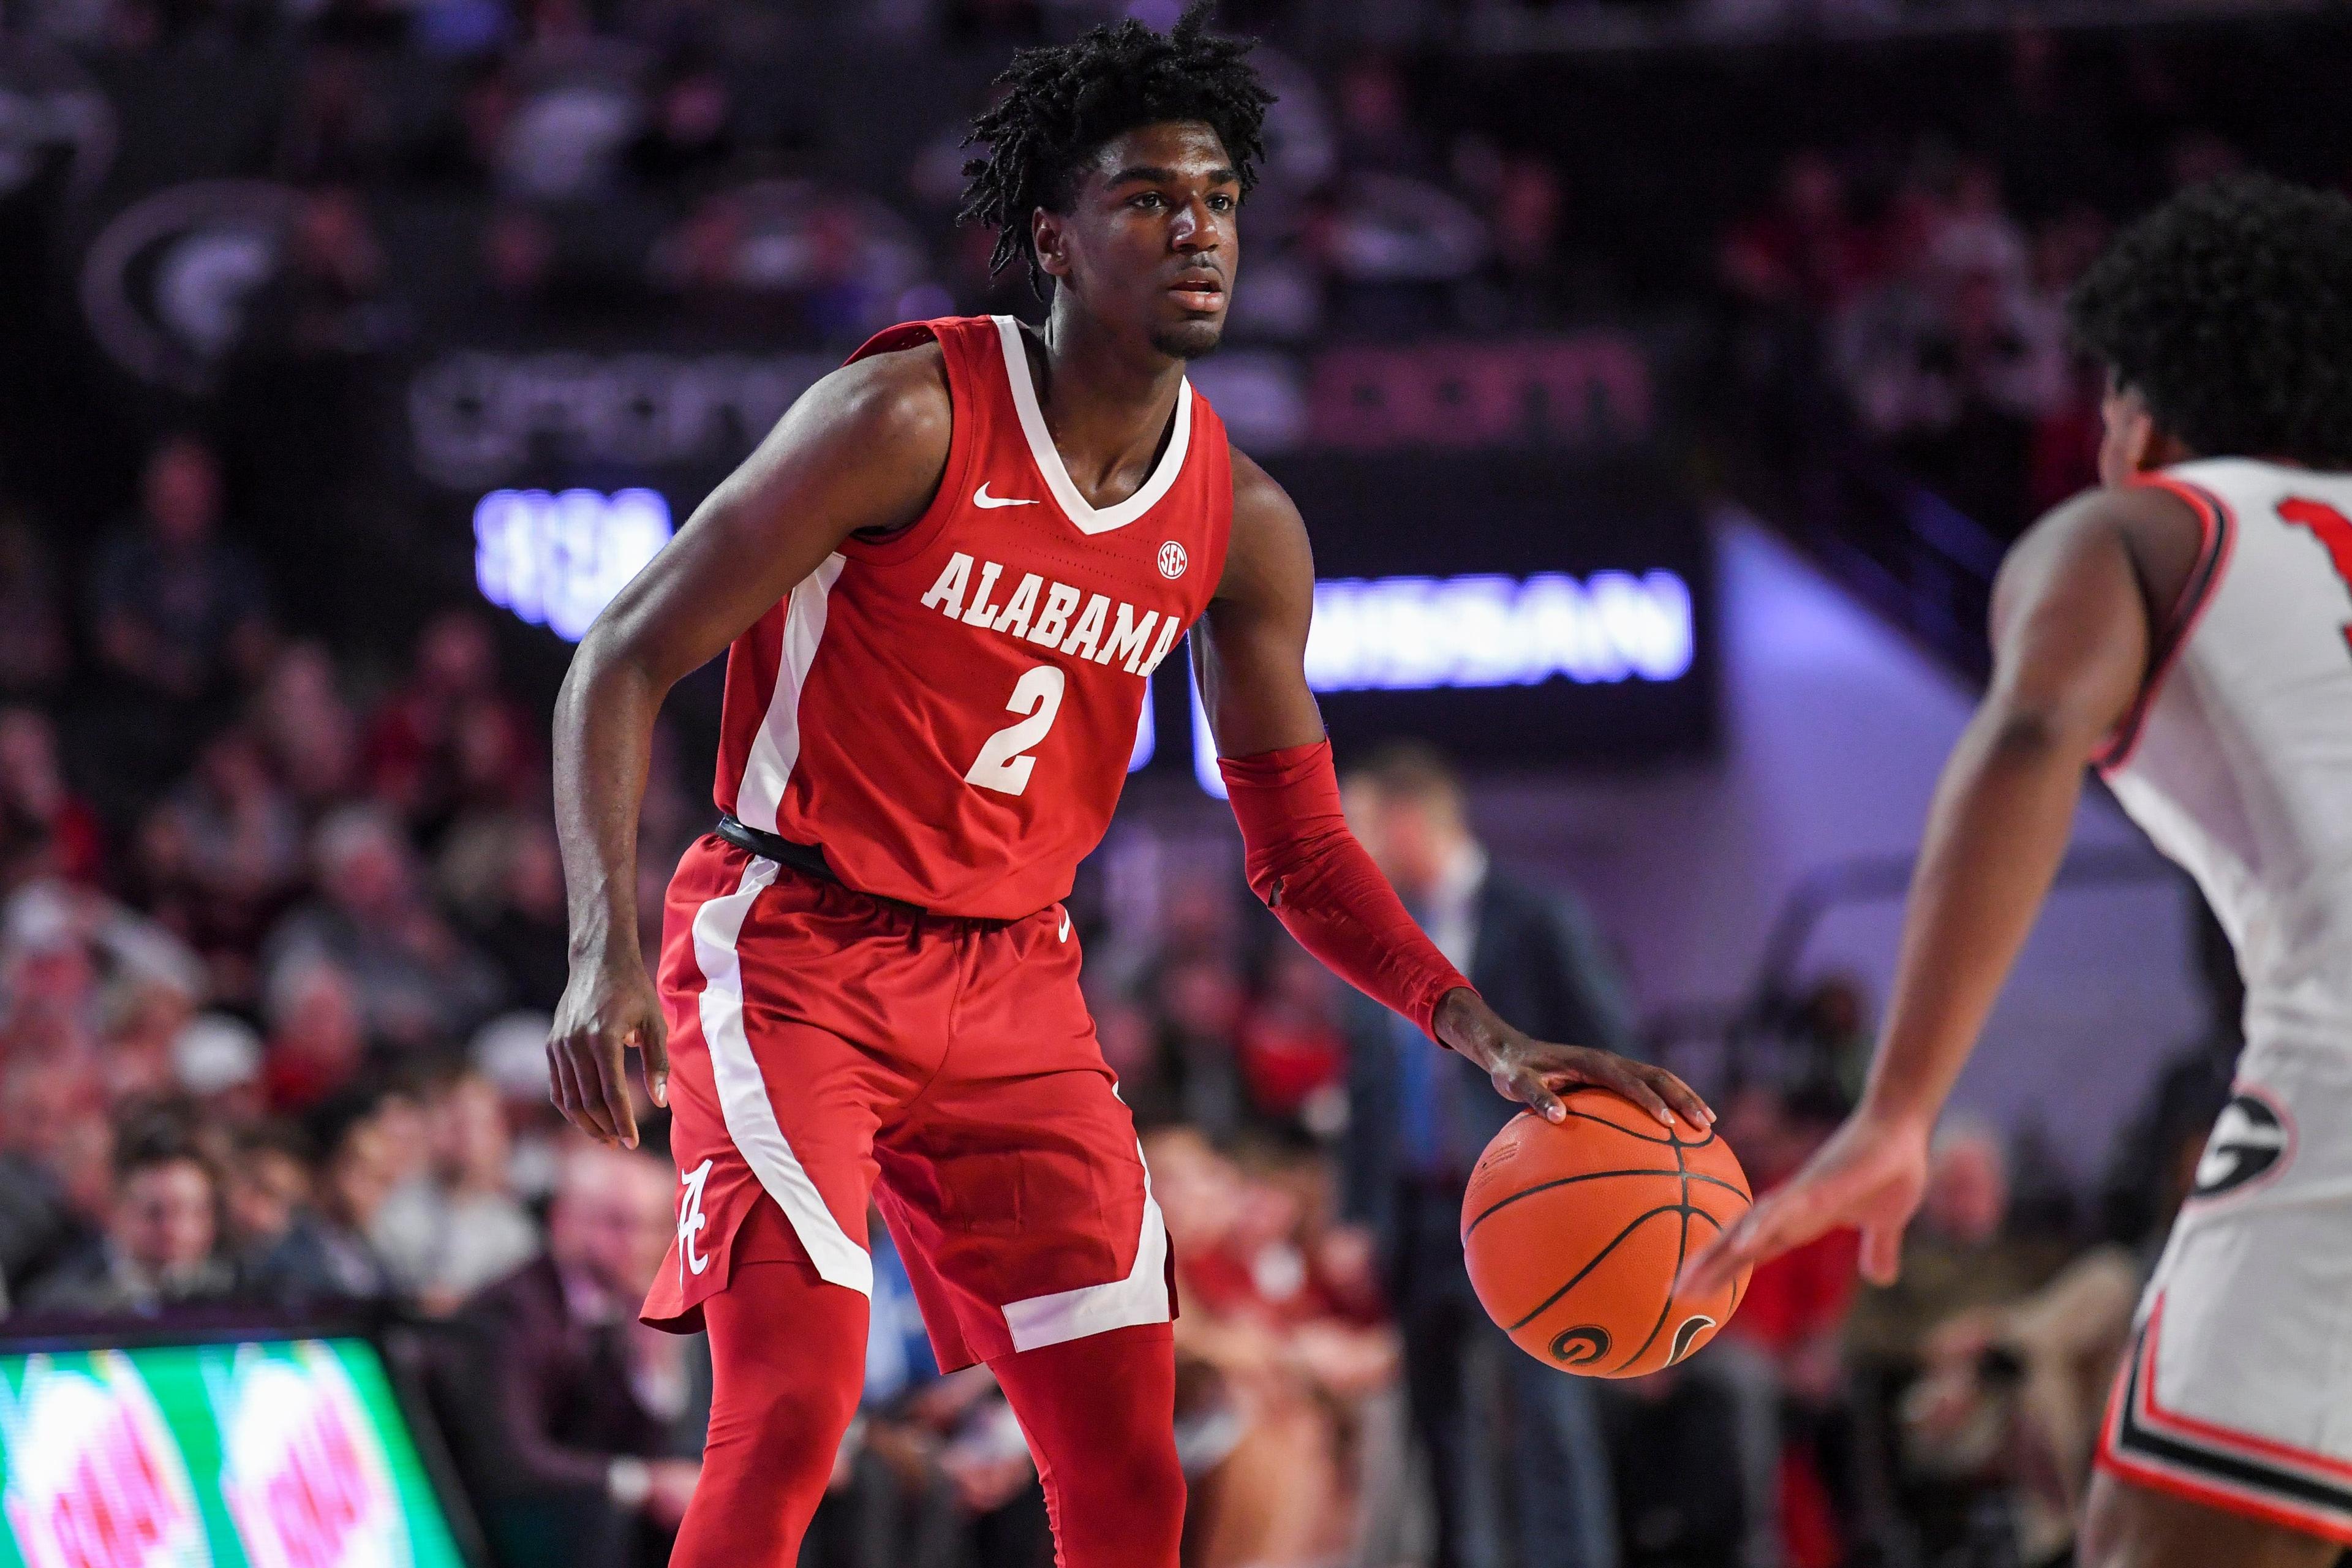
(291, 1453)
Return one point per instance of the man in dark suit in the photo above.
(1516, 1449)
(581, 1422)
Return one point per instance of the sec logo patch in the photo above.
(1173, 561)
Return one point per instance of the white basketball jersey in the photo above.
(2238, 759)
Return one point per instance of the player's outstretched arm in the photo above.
(864, 449)
(2072, 640)
(1301, 859)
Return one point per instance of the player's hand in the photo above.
(1534, 1072)
(1870, 1174)
(608, 1006)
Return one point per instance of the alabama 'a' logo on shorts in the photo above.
(2252, 1138)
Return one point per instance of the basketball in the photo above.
(1574, 1234)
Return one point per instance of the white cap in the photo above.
(215, 1052)
(511, 1050)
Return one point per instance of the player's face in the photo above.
(1152, 238)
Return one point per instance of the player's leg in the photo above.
(1023, 1211)
(779, 1077)
(2131, 1526)
(1100, 1417)
(787, 1364)
(2225, 1440)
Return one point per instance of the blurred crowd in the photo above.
(1925, 281)
(277, 945)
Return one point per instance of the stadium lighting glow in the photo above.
(1147, 737)
(557, 560)
(1412, 633)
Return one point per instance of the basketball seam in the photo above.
(1592, 1176)
(1614, 1242)
(1682, 1250)
(1670, 1140)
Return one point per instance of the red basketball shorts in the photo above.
(827, 1048)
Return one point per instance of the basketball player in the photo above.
(2184, 630)
(946, 578)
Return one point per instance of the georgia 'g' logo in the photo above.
(165, 283)
(2250, 1139)
(1580, 1346)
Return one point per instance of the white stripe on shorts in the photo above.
(743, 1093)
(1140, 1298)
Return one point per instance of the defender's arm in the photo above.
(864, 449)
(2071, 638)
(1302, 861)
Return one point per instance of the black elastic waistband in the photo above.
(805, 859)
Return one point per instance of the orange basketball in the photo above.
(1574, 1234)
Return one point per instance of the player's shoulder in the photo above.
(1259, 498)
(2155, 515)
(896, 398)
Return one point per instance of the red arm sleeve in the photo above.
(1305, 866)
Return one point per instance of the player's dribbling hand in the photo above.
(1534, 1072)
(1870, 1174)
(607, 1007)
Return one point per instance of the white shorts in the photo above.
(2238, 1392)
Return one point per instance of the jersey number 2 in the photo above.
(2332, 529)
(1003, 763)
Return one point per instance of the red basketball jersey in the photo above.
(949, 712)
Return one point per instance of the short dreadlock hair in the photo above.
(2229, 309)
(1064, 102)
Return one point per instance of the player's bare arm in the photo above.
(862, 451)
(1252, 666)
(2072, 613)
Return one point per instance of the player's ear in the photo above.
(2130, 444)
(1048, 232)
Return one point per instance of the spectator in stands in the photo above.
(305, 729)
(1279, 1373)
(34, 651)
(524, 931)
(55, 1178)
(415, 980)
(1419, 1118)
(423, 743)
(1806, 251)
(318, 1040)
(176, 610)
(576, 1453)
(457, 1228)
(325, 1255)
(162, 1247)
(265, 1188)
(45, 829)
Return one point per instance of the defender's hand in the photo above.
(1870, 1173)
(1534, 1072)
(609, 1005)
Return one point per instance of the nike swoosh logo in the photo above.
(982, 499)
(1066, 926)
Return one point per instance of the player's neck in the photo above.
(1106, 401)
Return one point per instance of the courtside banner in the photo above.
(283, 1454)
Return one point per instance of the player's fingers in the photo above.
(1530, 1091)
(1683, 1098)
(1712, 1265)
(569, 1098)
(612, 1089)
(587, 1093)
(1882, 1253)
(655, 1043)
(1628, 1079)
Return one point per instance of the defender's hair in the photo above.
(2229, 309)
(1063, 103)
